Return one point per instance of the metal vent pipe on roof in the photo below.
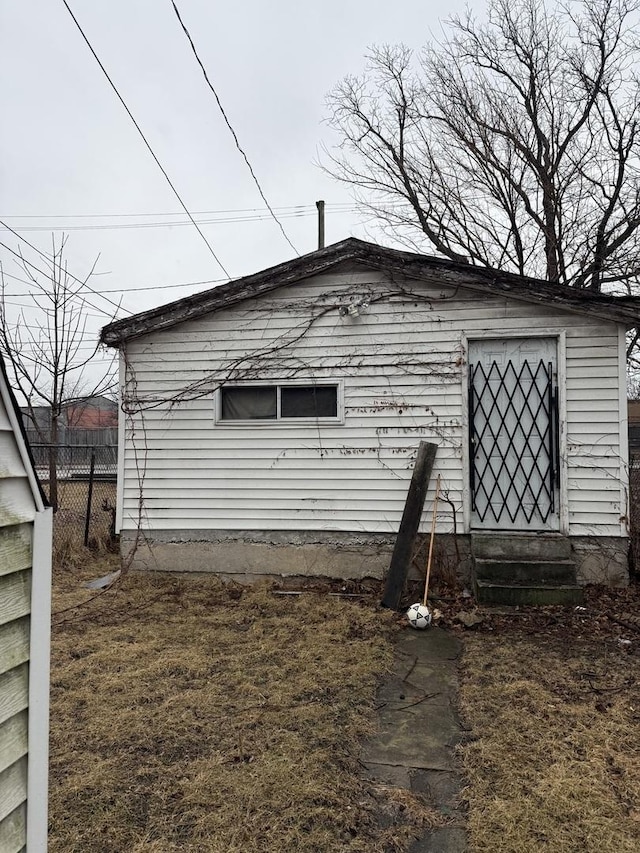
(320, 206)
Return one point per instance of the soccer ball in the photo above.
(419, 616)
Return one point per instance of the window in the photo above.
(309, 401)
(251, 402)
(278, 402)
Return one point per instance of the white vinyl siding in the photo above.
(17, 511)
(25, 574)
(402, 366)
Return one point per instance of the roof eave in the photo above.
(409, 264)
(229, 293)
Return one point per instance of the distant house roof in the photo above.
(624, 310)
(36, 416)
(97, 412)
(91, 413)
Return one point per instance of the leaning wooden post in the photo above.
(405, 541)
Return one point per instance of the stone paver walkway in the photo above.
(418, 729)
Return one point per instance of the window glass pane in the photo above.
(249, 402)
(314, 401)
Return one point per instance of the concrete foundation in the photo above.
(601, 559)
(248, 555)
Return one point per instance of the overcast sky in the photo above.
(70, 158)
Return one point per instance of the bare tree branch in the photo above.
(513, 143)
(44, 350)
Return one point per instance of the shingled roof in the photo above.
(493, 282)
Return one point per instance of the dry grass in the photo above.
(190, 716)
(69, 521)
(187, 716)
(554, 759)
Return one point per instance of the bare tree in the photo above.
(44, 352)
(513, 143)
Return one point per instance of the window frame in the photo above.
(338, 384)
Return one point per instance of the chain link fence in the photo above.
(634, 510)
(87, 494)
(86, 480)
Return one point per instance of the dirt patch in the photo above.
(192, 716)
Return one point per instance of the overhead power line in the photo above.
(49, 259)
(22, 305)
(127, 290)
(303, 208)
(42, 272)
(120, 226)
(144, 139)
(229, 125)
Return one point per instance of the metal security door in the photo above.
(513, 434)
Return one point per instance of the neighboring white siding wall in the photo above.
(17, 512)
(597, 460)
(403, 364)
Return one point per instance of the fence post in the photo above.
(89, 496)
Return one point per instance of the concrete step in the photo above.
(525, 571)
(520, 546)
(528, 595)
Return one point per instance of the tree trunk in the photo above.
(53, 462)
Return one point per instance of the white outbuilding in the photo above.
(269, 425)
(25, 597)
